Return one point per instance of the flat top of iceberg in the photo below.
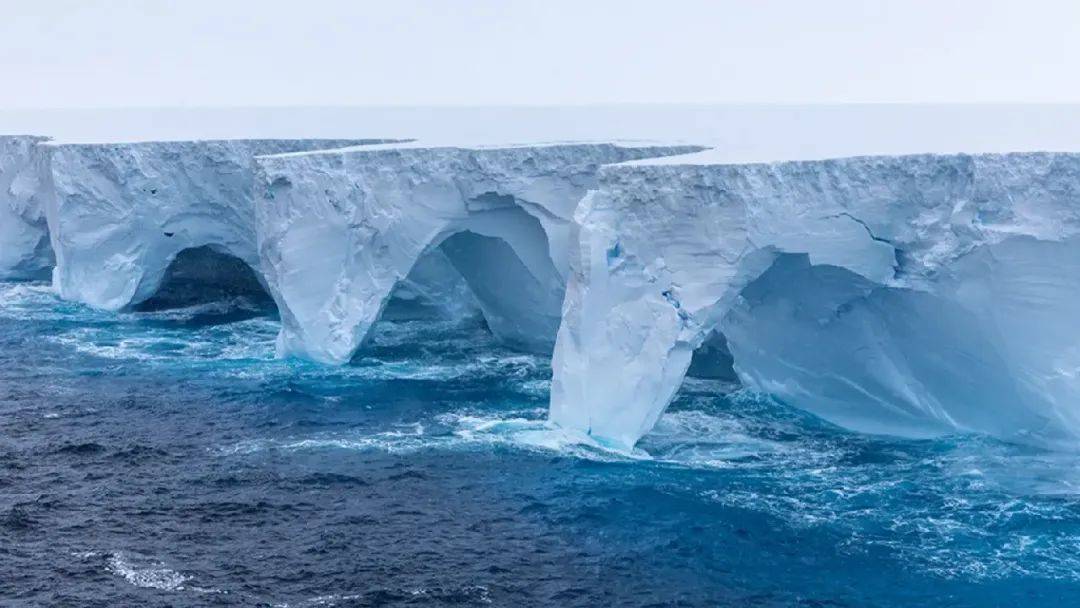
(356, 142)
(424, 145)
(717, 158)
(739, 133)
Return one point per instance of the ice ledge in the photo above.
(862, 289)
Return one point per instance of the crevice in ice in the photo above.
(899, 256)
(869, 231)
(613, 254)
(203, 275)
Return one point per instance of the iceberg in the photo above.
(339, 231)
(24, 237)
(120, 213)
(908, 295)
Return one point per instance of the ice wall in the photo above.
(339, 230)
(118, 214)
(24, 237)
(906, 295)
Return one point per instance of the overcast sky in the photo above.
(112, 53)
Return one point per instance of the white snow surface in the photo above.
(738, 133)
(118, 214)
(338, 231)
(906, 295)
(24, 237)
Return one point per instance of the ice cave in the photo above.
(119, 213)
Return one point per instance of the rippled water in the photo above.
(165, 458)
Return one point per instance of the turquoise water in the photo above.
(166, 458)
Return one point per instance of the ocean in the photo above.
(166, 458)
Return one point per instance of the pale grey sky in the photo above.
(109, 53)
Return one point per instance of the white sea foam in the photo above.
(24, 301)
(150, 577)
(692, 439)
(147, 574)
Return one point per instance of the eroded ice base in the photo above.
(991, 349)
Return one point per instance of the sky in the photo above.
(235, 53)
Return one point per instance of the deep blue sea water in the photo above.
(167, 459)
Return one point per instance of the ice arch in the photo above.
(205, 274)
(339, 230)
(865, 290)
(119, 213)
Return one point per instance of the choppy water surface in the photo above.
(165, 458)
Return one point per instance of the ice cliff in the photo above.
(24, 237)
(912, 295)
(340, 230)
(118, 214)
(908, 295)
